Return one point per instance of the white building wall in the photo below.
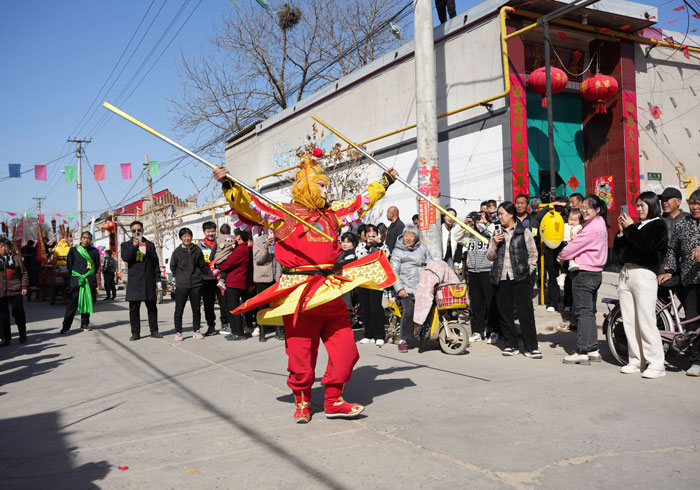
(381, 98)
(667, 79)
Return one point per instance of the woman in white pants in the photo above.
(641, 248)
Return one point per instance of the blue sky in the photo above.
(56, 56)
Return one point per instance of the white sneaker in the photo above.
(256, 332)
(694, 370)
(379, 342)
(551, 309)
(475, 337)
(577, 358)
(595, 356)
(366, 341)
(630, 369)
(493, 339)
(561, 280)
(650, 373)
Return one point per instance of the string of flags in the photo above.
(71, 171)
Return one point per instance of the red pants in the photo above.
(330, 323)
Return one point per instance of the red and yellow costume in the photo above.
(307, 298)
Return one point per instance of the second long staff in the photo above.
(406, 184)
(245, 186)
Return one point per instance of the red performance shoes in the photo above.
(302, 402)
(337, 408)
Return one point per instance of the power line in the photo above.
(119, 98)
(116, 65)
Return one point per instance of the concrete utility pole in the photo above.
(426, 122)
(159, 245)
(79, 152)
(38, 203)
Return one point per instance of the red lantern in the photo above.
(599, 89)
(109, 226)
(538, 82)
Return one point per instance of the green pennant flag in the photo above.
(154, 168)
(71, 173)
(70, 216)
(30, 215)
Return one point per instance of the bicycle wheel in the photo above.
(615, 331)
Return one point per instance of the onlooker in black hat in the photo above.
(671, 205)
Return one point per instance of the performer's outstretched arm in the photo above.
(349, 210)
(247, 206)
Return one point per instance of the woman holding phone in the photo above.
(641, 248)
(514, 255)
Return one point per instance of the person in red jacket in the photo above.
(238, 266)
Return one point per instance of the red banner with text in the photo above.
(518, 136)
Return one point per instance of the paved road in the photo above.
(212, 414)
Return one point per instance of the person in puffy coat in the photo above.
(14, 285)
(408, 261)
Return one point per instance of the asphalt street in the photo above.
(94, 410)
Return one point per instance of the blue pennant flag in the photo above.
(15, 170)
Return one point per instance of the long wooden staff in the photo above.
(406, 184)
(250, 190)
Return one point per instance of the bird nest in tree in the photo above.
(288, 16)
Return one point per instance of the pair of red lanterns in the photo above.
(598, 88)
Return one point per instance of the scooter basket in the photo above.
(451, 296)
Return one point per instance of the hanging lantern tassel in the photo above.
(599, 89)
(538, 82)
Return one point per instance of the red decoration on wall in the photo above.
(573, 182)
(603, 188)
(599, 89)
(538, 82)
(518, 136)
(629, 111)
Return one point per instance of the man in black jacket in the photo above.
(188, 266)
(83, 262)
(143, 273)
(395, 229)
(109, 268)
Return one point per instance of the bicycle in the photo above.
(672, 328)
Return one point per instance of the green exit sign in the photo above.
(654, 175)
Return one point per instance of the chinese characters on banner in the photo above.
(427, 215)
(518, 136)
(629, 100)
(603, 188)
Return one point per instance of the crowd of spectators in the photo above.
(229, 267)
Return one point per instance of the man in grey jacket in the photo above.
(408, 261)
(266, 271)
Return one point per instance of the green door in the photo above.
(568, 144)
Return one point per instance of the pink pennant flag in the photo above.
(562, 35)
(39, 172)
(671, 21)
(625, 27)
(126, 170)
(693, 30)
(655, 112)
(100, 171)
(12, 214)
(60, 214)
(684, 48)
(697, 16)
(678, 9)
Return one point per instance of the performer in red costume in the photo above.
(307, 298)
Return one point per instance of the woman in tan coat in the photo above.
(266, 272)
